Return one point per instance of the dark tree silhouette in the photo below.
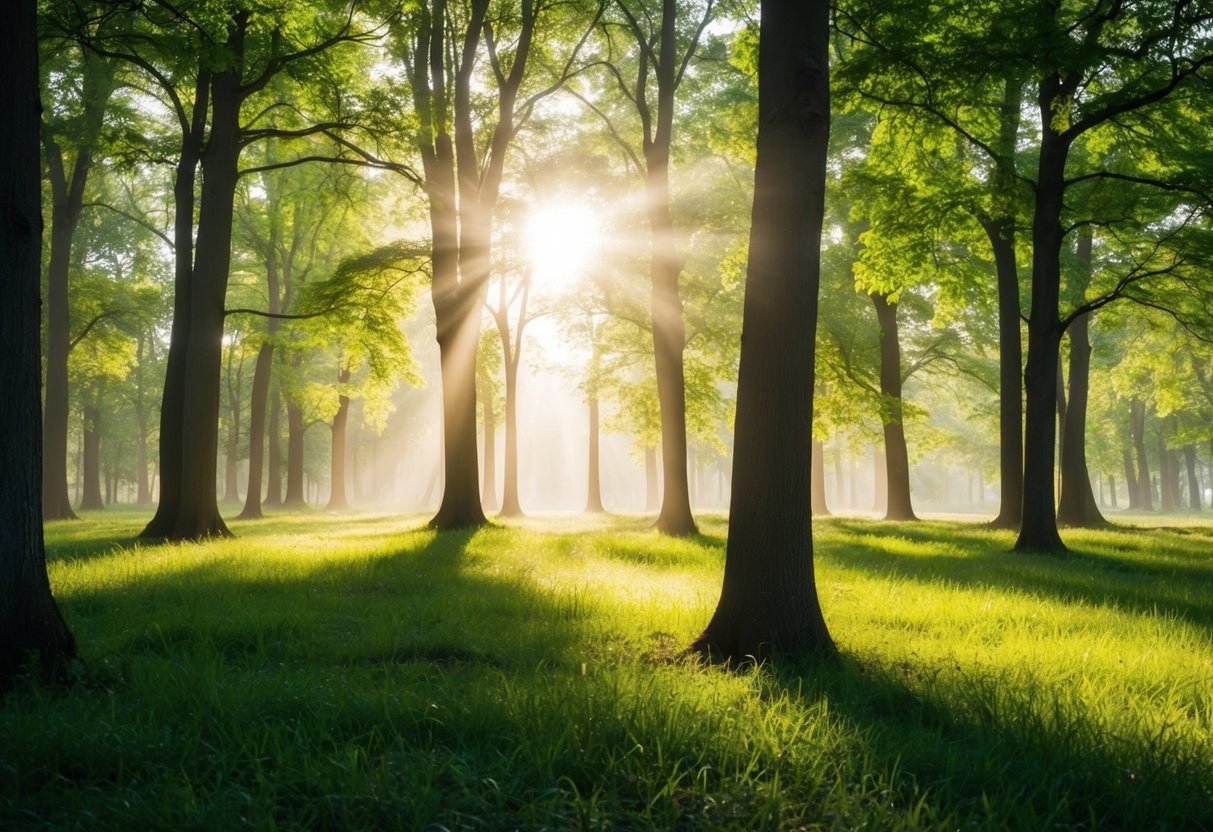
(31, 628)
(769, 599)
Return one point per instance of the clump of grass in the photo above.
(363, 673)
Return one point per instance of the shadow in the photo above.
(993, 751)
(1171, 576)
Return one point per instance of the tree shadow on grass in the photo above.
(1166, 579)
(994, 753)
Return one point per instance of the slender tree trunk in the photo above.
(31, 628)
(488, 495)
(1137, 428)
(1112, 490)
(295, 497)
(231, 487)
(880, 473)
(143, 493)
(838, 481)
(510, 506)
(273, 483)
(256, 431)
(91, 500)
(897, 456)
(593, 502)
(1077, 506)
(1166, 493)
(1193, 480)
(768, 603)
(337, 494)
(1131, 486)
(817, 485)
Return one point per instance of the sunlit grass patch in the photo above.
(364, 672)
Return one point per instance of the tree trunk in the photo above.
(880, 473)
(31, 628)
(1038, 526)
(1131, 485)
(510, 506)
(273, 453)
(256, 430)
(488, 494)
(173, 401)
(143, 494)
(768, 603)
(838, 481)
(295, 497)
(337, 495)
(593, 501)
(1193, 480)
(897, 456)
(651, 491)
(231, 486)
(817, 484)
(1166, 493)
(92, 499)
(1137, 428)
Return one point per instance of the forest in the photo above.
(606, 414)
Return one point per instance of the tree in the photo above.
(31, 629)
(768, 601)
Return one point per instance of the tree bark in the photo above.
(897, 457)
(295, 496)
(1166, 492)
(817, 485)
(1131, 485)
(510, 505)
(273, 485)
(92, 499)
(231, 485)
(256, 431)
(652, 496)
(32, 632)
(768, 602)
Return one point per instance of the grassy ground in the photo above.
(358, 673)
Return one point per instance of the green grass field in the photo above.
(360, 673)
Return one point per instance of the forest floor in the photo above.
(357, 672)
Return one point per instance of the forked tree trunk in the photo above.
(768, 603)
(897, 457)
(31, 628)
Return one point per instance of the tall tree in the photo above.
(768, 601)
(31, 627)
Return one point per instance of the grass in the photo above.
(357, 672)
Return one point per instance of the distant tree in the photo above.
(32, 632)
(768, 601)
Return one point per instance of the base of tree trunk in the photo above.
(448, 519)
(293, 504)
(1002, 521)
(675, 524)
(250, 513)
(45, 659)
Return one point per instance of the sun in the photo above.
(561, 241)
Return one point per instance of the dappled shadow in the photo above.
(1168, 579)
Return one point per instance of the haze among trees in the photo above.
(486, 264)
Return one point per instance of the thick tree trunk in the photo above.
(817, 484)
(1193, 480)
(768, 602)
(173, 401)
(593, 501)
(1038, 526)
(56, 504)
(897, 457)
(337, 495)
(1137, 429)
(31, 628)
(92, 500)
